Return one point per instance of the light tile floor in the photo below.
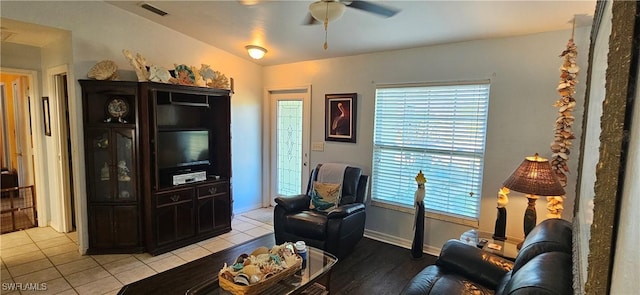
(48, 262)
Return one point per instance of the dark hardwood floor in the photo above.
(373, 268)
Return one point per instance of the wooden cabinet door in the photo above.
(213, 207)
(113, 226)
(125, 225)
(175, 218)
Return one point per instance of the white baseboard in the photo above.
(404, 243)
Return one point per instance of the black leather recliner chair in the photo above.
(543, 266)
(336, 231)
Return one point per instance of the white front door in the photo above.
(289, 141)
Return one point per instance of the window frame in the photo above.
(483, 104)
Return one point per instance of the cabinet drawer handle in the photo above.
(175, 198)
(213, 190)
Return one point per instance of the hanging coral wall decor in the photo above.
(561, 145)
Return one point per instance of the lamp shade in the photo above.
(330, 9)
(256, 52)
(535, 177)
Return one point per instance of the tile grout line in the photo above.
(254, 225)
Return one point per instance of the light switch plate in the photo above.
(317, 146)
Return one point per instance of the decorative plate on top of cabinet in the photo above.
(117, 108)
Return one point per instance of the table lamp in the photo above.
(534, 178)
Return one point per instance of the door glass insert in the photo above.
(102, 163)
(124, 165)
(289, 147)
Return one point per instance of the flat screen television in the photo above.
(183, 149)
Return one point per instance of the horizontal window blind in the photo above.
(439, 129)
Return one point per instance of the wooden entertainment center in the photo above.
(158, 162)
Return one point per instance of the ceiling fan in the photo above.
(324, 11)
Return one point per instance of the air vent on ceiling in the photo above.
(153, 9)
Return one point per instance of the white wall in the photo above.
(524, 73)
(101, 31)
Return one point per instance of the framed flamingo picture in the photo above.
(340, 117)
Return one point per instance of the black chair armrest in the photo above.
(345, 210)
(474, 263)
(295, 203)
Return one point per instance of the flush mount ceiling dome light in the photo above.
(256, 52)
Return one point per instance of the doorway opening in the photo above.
(17, 195)
(60, 82)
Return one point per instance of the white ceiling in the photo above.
(278, 25)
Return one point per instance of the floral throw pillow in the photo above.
(325, 196)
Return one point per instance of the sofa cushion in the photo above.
(547, 273)
(548, 236)
(307, 224)
(473, 263)
(435, 280)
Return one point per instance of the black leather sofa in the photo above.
(543, 266)
(336, 231)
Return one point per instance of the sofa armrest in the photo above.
(474, 263)
(345, 210)
(294, 203)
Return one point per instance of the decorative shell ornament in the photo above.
(104, 70)
(207, 73)
(199, 81)
(139, 64)
(221, 81)
(561, 146)
(260, 265)
(555, 206)
(159, 74)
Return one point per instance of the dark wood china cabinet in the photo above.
(158, 162)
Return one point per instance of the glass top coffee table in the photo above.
(318, 268)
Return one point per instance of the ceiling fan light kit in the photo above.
(256, 52)
(326, 11)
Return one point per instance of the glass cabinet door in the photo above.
(112, 154)
(124, 165)
(100, 152)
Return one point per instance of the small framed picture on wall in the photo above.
(340, 117)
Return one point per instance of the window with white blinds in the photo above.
(439, 129)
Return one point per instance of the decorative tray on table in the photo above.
(263, 268)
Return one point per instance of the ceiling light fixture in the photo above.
(325, 11)
(256, 52)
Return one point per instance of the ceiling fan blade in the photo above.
(310, 20)
(373, 8)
